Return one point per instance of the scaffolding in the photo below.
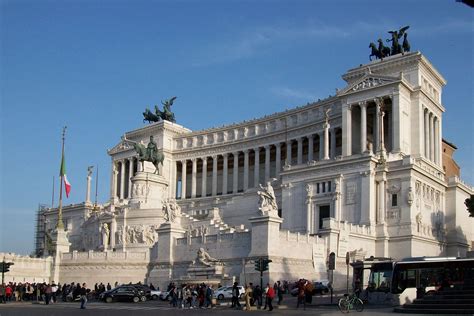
(40, 236)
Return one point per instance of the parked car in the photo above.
(165, 296)
(155, 294)
(226, 292)
(123, 294)
(143, 288)
(320, 288)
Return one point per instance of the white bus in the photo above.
(415, 277)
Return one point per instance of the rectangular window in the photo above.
(317, 188)
(394, 200)
(329, 186)
(324, 187)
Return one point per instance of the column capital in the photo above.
(184, 161)
(246, 151)
(267, 147)
(235, 153)
(310, 136)
(256, 149)
(225, 155)
(193, 160)
(300, 140)
(214, 157)
(362, 103)
(204, 160)
(278, 145)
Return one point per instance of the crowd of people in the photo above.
(48, 293)
(180, 296)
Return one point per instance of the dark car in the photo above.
(146, 289)
(123, 294)
(320, 288)
(317, 288)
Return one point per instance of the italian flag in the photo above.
(62, 173)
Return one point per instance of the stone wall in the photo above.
(27, 269)
(95, 267)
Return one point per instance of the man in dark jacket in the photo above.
(235, 295)
(83, 294)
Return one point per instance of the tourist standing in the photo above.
(83, 295)
(248, 296)
(279, 292)
(270, 296)
(235, 295)
(209, 293)
(2, 294)
(47, 294)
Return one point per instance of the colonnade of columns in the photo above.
(251, 167)
(431, 136)
(378, 132)
(122, 172)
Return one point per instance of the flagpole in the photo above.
(96, 186)
(52, 198)
(60, 224)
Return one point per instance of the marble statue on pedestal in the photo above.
(268, 204)
(203, 258)
(171, 210)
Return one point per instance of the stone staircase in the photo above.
(450, 301)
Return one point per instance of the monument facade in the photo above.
(358, 172)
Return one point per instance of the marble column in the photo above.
(381, 200)
(113, 181)
(431, 137)
(377, 129)
(346, 130)
(88, 188)
(256, 170)
(299, 158)
(183, 178)
(122, 179)
(381, 113)
(311, 147)
(278, 160)
(436, 138)
(288, 152)
(427, 133)
(267, 163)
(363, 126)
(235, 174)
(333, 143)
(175, 193)
(326, 141)
(113, 229)
(130, 175)
(321, 145)
(214, 175)
(194, 178)
(246, 169)
(204, 177)
(225, 173)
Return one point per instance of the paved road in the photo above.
(162, 308)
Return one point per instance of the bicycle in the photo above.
(350, 302)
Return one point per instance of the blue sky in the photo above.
(95, 65)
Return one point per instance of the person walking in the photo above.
(235, 296)
(83, 295)
(279, 292)
(47, 294)
(248, 296)
(270, 297)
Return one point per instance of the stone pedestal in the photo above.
(61, 245)
(265, 236)
(148, 190)
(162, 272)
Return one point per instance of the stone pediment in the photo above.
(122, 146)
(368, 81)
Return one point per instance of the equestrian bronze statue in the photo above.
(149, 153)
